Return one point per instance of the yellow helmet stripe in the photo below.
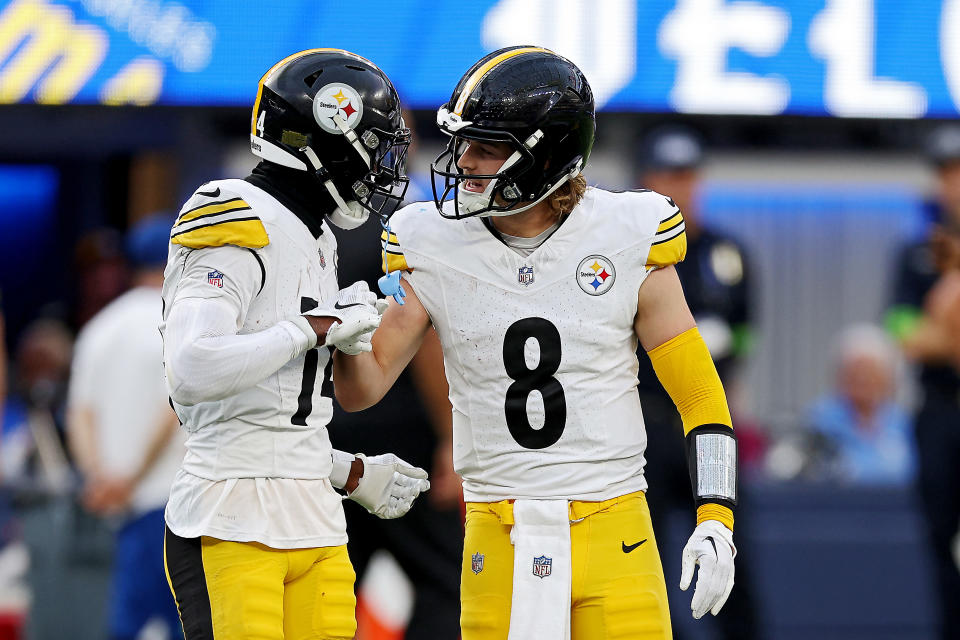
(293, 56)
(486, 68)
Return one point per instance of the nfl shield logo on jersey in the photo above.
(476, 562)
(323, 260)
(525, 275)
(215, 278)
(542, 566)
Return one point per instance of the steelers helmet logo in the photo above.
(595, 275)
(337, 100)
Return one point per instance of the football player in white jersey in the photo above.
(540, 290)
(255, 540)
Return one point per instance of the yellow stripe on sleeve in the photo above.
(247, 232)
(214, 208)
(392, 238)
(667, 252)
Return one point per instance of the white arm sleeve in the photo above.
(206, 359)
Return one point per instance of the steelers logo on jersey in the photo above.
(340, 100)
(595, 275)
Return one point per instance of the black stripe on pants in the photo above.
(185, 565)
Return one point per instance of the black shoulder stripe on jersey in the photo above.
(669, 229)
(263, 270)
(210, 204)
(675, 235)
(213, 224)
(210, 215)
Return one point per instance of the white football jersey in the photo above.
(540, 351)
(232, 238)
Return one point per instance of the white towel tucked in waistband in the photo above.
(541, 570)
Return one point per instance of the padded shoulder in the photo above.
(215, 216)
(669, 243)
(405, 224)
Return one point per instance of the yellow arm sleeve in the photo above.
(686, 370)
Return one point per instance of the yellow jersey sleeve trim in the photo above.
(687, 372)
(393, 262)
(242, 232)
(212, 209)
(713, 511)
(664, 253)
(391, 238)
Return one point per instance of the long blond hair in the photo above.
(563, 200)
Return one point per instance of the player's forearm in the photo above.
(359, 381)
(203, 364)
(81, 439)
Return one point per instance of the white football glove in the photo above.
(388, 486)
(711, 547)
(358, 313)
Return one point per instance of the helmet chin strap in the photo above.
(469, 201)
(348, 214)
(530, 205)
(351, 137)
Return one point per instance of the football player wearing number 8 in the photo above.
(255, 540)
(539, 290)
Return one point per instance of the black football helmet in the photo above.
(336, 115)
(534, 100)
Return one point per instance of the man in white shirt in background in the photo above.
(124, 436)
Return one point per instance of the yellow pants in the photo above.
(618, 589)
(248, 591)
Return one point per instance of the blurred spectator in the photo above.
(717, 283)
(715, 274)
(33, 452)
(865, 433)
(124, 435)
(923, 318)
(102, 272)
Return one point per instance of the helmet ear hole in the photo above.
(311, 79)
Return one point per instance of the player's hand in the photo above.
(711, 547)
(388, 485)
(107, 495)
(356, 313)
